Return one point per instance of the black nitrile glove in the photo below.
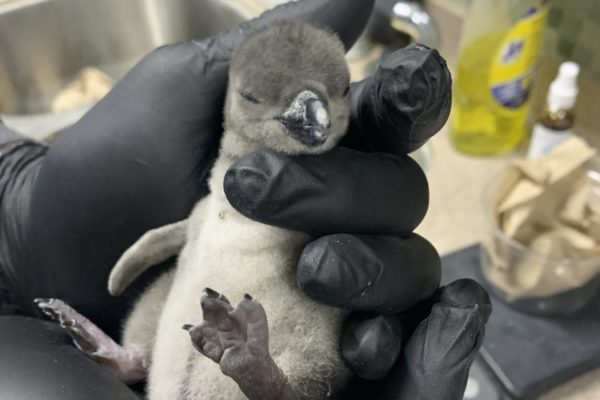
(139, 159)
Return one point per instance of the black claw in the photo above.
(187, 327)
(211, 293)
(248, 297)
(224, 299)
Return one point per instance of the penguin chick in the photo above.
(288, 92)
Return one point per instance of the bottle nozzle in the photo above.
(568, 73)
(563, 90)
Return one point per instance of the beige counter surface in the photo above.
(455, 220)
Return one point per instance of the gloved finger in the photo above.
(403, 104)
(382, 274)
(436, 360)
(340, 191)
(371, 344)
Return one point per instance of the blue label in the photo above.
(514, 93)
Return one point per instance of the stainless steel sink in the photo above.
(45, 43)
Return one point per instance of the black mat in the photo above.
(529, 354)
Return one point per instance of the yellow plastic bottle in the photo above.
(499, 50)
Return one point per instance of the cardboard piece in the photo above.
(547, 239)
(90, 86)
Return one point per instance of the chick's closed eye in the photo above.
(249, 97)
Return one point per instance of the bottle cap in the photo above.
(563, 90)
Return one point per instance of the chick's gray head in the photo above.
(289, 90)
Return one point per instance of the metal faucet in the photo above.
(411, 17)
(393, 20)
(405, 16)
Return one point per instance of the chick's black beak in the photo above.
(307, 119)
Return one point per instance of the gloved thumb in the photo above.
(436, 360)
(403, 104)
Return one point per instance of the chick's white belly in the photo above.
(234, 256)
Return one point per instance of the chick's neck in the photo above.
(233, 147)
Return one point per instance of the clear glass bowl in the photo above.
(524, 278)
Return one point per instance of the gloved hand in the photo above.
(139, 159)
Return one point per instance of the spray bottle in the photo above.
(555, 124)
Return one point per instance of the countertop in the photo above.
(456, 220)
